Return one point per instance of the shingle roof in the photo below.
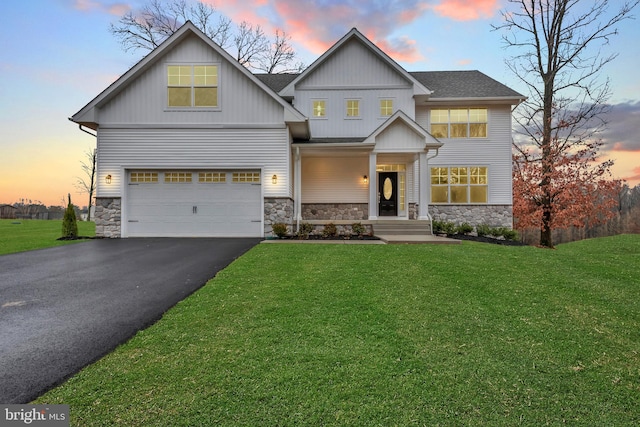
(463, 84)
(276, 82)
(444, 84)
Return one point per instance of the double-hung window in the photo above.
(459, 123)
(353, 108)
(386, 107)
(192, 86)
(319, 108)
(459, 184)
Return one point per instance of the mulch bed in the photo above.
(485, 239)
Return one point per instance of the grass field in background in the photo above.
(18, 235)
(469, 334)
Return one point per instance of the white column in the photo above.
(423, 187)
(297, 183)
(373, 186)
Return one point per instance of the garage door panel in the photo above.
(194, 209)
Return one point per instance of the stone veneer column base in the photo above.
(491, 215)
(107, 217)
(277, 210)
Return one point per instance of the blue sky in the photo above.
(57, 55)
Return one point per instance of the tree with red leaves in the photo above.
(557, 180)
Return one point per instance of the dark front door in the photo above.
(388, 193)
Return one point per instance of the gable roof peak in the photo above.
(418, 87)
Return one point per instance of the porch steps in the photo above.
(401, 228)
(409, 231)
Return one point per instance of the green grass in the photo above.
(465, 335)
(17, 235)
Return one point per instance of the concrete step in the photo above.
(402, 228)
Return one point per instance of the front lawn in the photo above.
(469, 334)
(17, 235)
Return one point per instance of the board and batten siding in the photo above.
(354, 66)
(493, 151)
(194, 149)
(335, 179)
(337, 124)
(145, 99)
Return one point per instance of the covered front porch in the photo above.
(382, 177)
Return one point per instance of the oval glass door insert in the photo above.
(387, 188)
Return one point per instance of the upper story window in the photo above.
(353, 108)
(459, 123)
(192, 85)
(386, 107)
(319, 108)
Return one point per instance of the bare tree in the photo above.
(147, 28)
(87, 183)
(557, 56)
(277, 54)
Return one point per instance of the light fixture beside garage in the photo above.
(274, 179)
(108, 179)
(365, 180)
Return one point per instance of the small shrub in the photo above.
(483, 230)
(449, 227)
(305, 229)
(69, 224)
(510, 234)
(279, 229)
(330, 230)
(437, 226)
(358, 229)
(464, 228)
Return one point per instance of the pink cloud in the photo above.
(466, 10)
(117, 9)
(464, 62)
(317, 25)
(623, 147)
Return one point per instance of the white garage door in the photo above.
(193, 204)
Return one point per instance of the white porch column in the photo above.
(423, 187)
(373, 186)
(297, 183)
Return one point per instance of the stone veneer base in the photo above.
(107, 217)
(492, 215)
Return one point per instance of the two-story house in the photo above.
(190, 143)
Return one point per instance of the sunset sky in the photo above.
(57, 55)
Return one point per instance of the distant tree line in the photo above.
(35, 209)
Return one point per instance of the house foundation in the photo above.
(491, 215)
(335, 211)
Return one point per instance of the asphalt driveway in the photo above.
(63, 308)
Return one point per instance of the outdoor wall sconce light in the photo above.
(108, 179)
(274, 179)
(365, 179)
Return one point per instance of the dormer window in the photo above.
(319, 109)
(192, 85)
(386, 107)
(353, 108)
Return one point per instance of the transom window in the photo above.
(212, 177)
(353, 108)
(459, 123)
(177, 177)
(192, 85)
(319, 108)
(459, 184)
(143, 177)
(246, 177)
(391, 168)
(386, 107)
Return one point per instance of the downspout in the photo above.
(427, 207)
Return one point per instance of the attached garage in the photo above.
(197, 203)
